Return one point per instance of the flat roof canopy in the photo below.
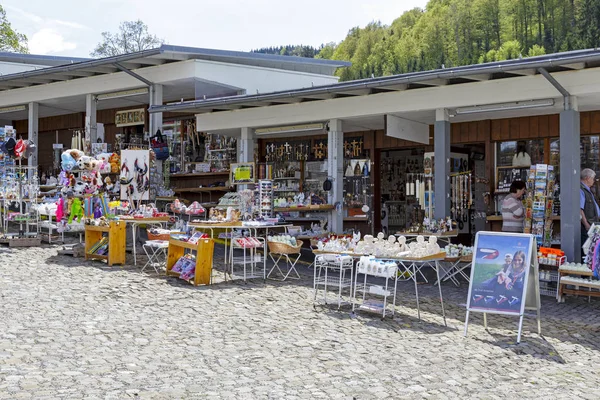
(64, 68)
(362, 104)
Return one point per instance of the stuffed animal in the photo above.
(95, 165)
(80, 187)
(115, 163)
(84, 163)
(76, 210)
(76, 154)
(59, 209)
(67, 161)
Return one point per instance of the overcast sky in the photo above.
(73, 28)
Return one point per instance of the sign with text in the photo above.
(130, 117)
(503, 263)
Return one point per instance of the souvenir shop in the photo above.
(211, 182)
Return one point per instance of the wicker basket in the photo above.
(164, 236)
(282, 248)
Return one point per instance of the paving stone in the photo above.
(83, 330)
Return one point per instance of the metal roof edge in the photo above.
(256, 56)
(81, 65)
(550, 60)
(25, 58)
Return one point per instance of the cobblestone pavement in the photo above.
(76, 329)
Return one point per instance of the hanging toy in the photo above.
(76, 210)
(98, 209)
(60, 209)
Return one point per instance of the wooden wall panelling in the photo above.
(495, 130)
(543, 126)
(454, 133)
(595, 123)
(534, 126)
(484, 130)
(504, 129)
(513, 129)
(585, 122)
(473, 126)
(524, 132)
(464, 133)
(553, 126)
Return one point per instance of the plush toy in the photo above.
(95, 165)
(80, 187)
(59, 209)
(115, 163)
(76, 154)
(76, 210)
(67, 161)
(84, 163)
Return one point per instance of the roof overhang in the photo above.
(414, 95)
(59, 69)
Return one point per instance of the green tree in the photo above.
(536, 50)
(132, 36)
(11, 40)
(326, 51)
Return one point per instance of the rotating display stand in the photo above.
(20, 189)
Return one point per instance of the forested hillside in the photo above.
(459, 32)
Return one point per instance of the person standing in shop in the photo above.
(521, 157)
(587, 202)
(513, 212)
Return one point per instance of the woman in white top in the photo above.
(521, 158)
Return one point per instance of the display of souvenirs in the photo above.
(576, 267)
(224, 215)
(549, 256)
(539, 203)
(458, 250)
(193, 209)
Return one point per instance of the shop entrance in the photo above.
(406, 196)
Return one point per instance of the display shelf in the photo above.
(307, 219)
(287, 178)
(199, 174)
(203, 189)
(265, 198)
(571, 278)
(116, 242)
(325, 207)
(204, 259)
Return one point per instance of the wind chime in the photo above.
(461, 197)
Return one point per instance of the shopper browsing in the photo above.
(513, 212)
(587, 202)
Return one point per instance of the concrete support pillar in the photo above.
(156, 99)
(32, 132)
(335, 168)
(90, 118)
(442, 164)
(570, 168)
(246, 145)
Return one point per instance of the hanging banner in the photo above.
(503, 263)
(135, 175)
(130, 117)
